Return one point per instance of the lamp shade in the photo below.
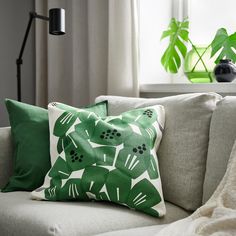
(57, 21)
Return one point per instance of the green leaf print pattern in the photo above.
(108, 159)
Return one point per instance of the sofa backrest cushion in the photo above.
(222, 137)
(183, 150)
(5, 156)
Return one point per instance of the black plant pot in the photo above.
(225, 71)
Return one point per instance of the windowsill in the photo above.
(188, 88)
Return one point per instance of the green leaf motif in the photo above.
(224, 44)
(86, 128)
(111, 133)
(134, 159)
(144, 117)
(118, 186)
(72, 190)
(60, 169)
(79, 153)
(64, 122)
(143, 195)
(93, 179)
(178, 34)
(152, 169)
(104, 155)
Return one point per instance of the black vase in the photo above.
(225, 71)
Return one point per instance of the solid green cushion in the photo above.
(30, 132)
(107, 159)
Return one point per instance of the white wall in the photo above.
(13, 21)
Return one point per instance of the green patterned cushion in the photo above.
(105, 159)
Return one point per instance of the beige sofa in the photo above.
(199, 133)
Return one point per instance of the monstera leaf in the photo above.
(225, 44)
(178, 34)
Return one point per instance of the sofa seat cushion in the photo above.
(140, 231)
(183, 150)
(21, 216)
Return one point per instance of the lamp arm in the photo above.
(32, 15)
(40, 16)
(19, 61)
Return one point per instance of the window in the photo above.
(154, 17)
(205, 16)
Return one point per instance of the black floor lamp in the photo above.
(56, 27)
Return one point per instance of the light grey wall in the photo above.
(14, 15)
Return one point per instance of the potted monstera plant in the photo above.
(200, 61)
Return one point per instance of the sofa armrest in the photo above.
(6, 149)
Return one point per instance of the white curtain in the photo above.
(98, 55)
(123, 48)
